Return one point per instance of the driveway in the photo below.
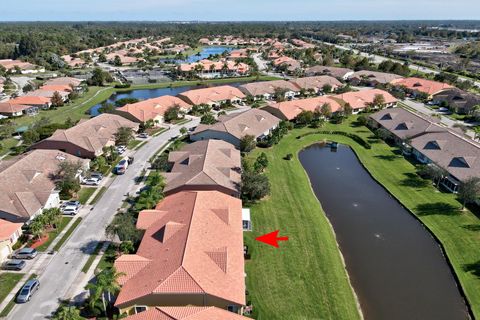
(65, 266)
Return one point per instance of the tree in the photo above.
(279, 94)
(304, 118)
(476, 131)
(7, 129)
(28, 87)
(66, 312)
(53, 217)
(66, 176)
(108, 279)
(99, 77)
(102, 57)
(208, 118)
(326, 110)
(347, 110)
(123, 136)
(183, 131)
(57, 100)
(30, 136)
(327, 88)
(383, 134)
(469, 191)
(37, 227)
(248, 143)
(127, 247)
(433, 172)
(261, 163)
(123, 226)
(117, 61)
(378, 101)
(254, 186)
(172, 113)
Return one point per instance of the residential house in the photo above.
(457, 100)
(9, 234)
(213, 96)
(238, 54)
(372, 78)
(419, 85)
(24, 67)
(289, 110)
(16, 110)
(27, 184)
(48, 94)
(361, 100)
(205, 165)
(267, 89)
(88, 137)
(232, 128)
(317, 83)
(65, 81)
(74, 62)
(57, 87)
(185, 313)
(33, 101)
(208, 68)
(339, 73)
(151, 109)
(191, 254)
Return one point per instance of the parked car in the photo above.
(27, 291)
(121, 149)
(70, 211)
(14, 264)
(143, 135)
(25, 253)
(71, 203)
(96, 175)
(90, 182)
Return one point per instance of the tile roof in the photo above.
(186, 313)
(374, 76)
(291, 109)
(457, 98)
(332, 71)
(252, 122)
(7, 229)
(152, 108)
(188, 249)
(26, 182)
(267, 87)
(8, 107)
(67, 81)
(91, 134)
(211, 95)
(31, 100)
(46, 93)
(56, 87)
(316, 82)
(208, 163)
(360, 99)
(422, 85)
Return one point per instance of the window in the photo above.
(233, 309)
(139, 309)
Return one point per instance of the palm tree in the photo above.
(109, 278)
(37, 227)
(96, 292)
(476, 131)
(66, 312)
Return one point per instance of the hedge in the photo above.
(352, 136)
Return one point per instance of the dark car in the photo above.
(16, 265)
(28, 290)
(25, 253)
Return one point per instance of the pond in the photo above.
(204, 54)
(396, 267)
(151, 93)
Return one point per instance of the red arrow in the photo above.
(271, 238)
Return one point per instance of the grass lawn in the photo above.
(316, 288)
(92, 257)
(11, 303)
(134, 143)
(54, 233)
(8, 281)
(85, 193)
(106, 261)
(98, 195)
(7, 144)
(67, 234)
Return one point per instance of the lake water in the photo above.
(204, 54)
(151, 93)
(395, 266)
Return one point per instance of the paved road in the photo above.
(66, 265)
(378, 59)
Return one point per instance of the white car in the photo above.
(91, 182)
(143, 135)
(70, 211)
(121, 149)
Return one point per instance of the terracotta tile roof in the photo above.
(267, 87)
(91, 134)
(291, 109)
(217, 66)
(191, 251)
(186, 313)
(7, 229)
(211, 164)
(360, 99)
(31, 100)
(211, 95)
(8, 107)
(46, 93)
(282, 60)
(26, 181)
(11, 64)
(373, 76)
(152, 108)
(422, 85)
(316, 82)
(252, 122)
(66, 81)
(56, 87)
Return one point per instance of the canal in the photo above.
(396, 267)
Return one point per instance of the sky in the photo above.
(237, 10)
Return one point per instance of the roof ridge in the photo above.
(188, 230)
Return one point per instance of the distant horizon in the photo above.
(240, 11)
